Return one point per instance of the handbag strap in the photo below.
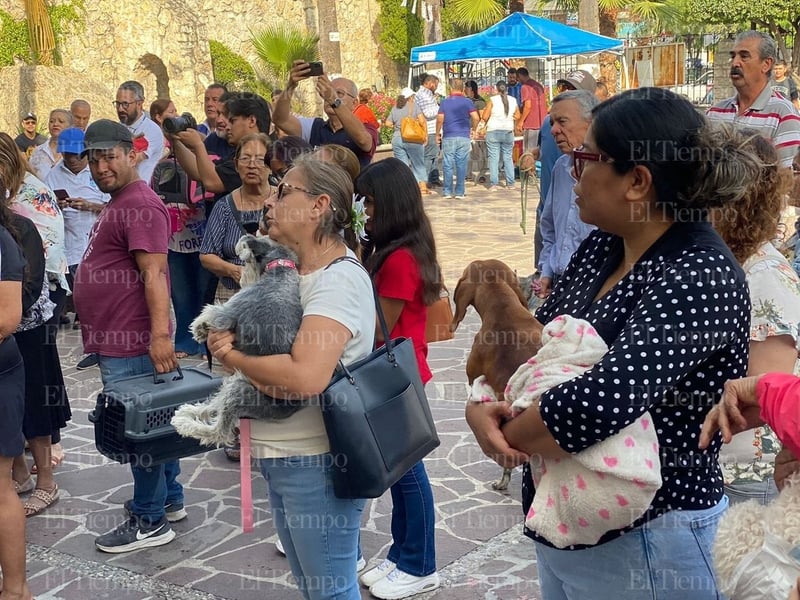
(236, 214)
(381, 318)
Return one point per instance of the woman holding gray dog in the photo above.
(312, 214)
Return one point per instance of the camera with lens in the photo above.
(174, 125)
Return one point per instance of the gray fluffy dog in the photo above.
(265, 317)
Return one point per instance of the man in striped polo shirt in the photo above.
(755, 104)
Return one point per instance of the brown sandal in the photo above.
(24, 487)
(40, 500)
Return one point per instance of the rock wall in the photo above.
(41, 89)
(164, 45)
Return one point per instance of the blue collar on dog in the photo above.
(280, 262)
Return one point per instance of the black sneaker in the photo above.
(175, 512)
(133, 534)
(87, 362)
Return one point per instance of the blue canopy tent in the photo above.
(517, 36)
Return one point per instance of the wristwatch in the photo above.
(336, 103)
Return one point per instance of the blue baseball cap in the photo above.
(70, 140)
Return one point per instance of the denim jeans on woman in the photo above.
(319, 531)
(668, 558)
(455, 156)
(154, 486)
(500, 146)
(189, 281)
(413, 549)
(412, 155)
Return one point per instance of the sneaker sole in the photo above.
(368, 582)
(178, 515)
(139, 544)
(408, 592)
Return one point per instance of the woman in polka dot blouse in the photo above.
(671, 302)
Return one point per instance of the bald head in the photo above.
(81, 112)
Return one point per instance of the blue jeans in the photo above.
(155, 486)
(413, 519)
(500, 145)
(318, 530)
(668, 558)
(413, 155)
(764, 492)
(431, 156)
(189, 281)
(455, 156)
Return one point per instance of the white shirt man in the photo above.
(130, 98)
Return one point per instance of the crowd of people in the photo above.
(656, 227)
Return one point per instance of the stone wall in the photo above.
(164, 45)
(41, 89)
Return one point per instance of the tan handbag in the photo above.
(412, 131)
(440, 316)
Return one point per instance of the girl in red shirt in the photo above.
(400, 253)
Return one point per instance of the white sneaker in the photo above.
(399, 584)
(361, 564)
(279, 547)
(373, 576)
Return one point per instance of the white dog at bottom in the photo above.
(757, 548)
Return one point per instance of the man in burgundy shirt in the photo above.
(122, 294)
(534, 109)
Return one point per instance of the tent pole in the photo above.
(550, 76)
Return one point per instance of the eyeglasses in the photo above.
(124, 105)
(259, 161)
(282, 187)
(795, 169)
(342, 94)
(580, 157)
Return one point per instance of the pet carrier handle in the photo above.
(157, 379)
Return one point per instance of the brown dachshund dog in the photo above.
(509, 334)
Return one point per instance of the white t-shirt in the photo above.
(498, 119)
(342, 292)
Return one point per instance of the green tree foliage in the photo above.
(476, 15)
(779, 18)
(15, 43)
(234, 71)
(279, 45)
(401, 30)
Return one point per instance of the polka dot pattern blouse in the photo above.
(677, 328)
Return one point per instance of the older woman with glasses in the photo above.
(671, 302)
(237, 213)
(312, 214)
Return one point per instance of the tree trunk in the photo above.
(516, 6)
(608, 61)
(796, 48)
(589, 16)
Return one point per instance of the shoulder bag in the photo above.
(412, 131)
(377, 417)
(440, 318)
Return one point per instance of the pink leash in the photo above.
(244, 472)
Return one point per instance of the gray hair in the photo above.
(766, 45)
(586, 100)
(135, 87)
(66, 113)
(79, 103)
(457, 85)
(326, 178)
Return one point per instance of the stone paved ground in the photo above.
(480, 551)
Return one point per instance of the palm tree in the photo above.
(279, 45)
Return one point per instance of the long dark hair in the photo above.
(502, 90)
(399, 221)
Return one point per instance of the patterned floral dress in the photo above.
(775, 297)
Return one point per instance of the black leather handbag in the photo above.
(377, 417)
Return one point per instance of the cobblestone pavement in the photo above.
(480, 550)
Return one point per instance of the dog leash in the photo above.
(245, 480)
